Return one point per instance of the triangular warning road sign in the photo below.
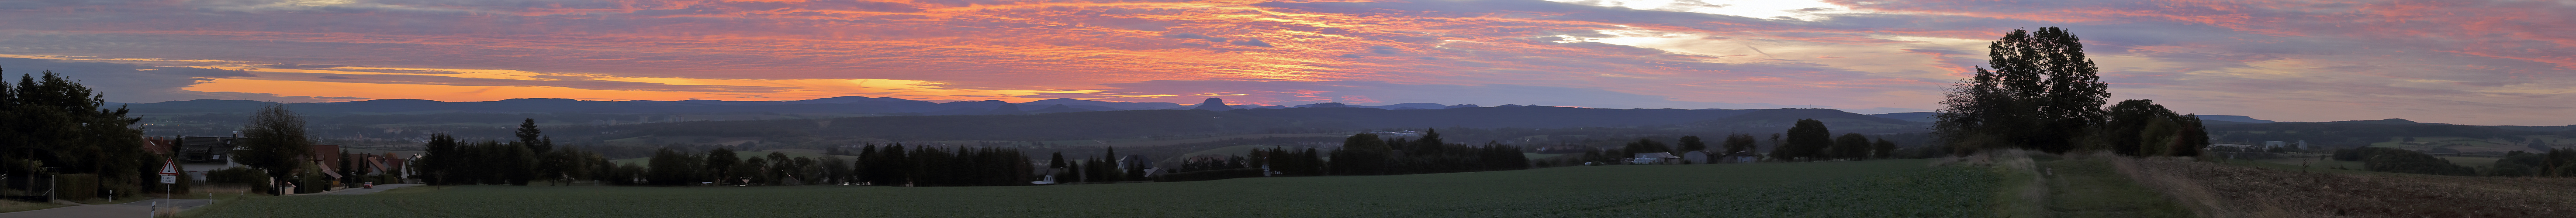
(169, 167)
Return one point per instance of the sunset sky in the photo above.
(2504, 62)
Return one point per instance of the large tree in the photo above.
(1739, 143)
(1361, 154)
(1645, 146)
(533, 138)
(1851, 146)
(274, 141)
(2140, 127)
(48, 120)
(441, 159)
(1807, 140)
(673, 167)
(720, 163)
(2041, 93)
(1693, 143)
(1882, 149)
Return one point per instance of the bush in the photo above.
(315, 183)
(123, 187)
(185, 181)
(75, 186)
(255, 178)
(237, 175)
(2349, 154)
(2404, 161)
(2518, 163)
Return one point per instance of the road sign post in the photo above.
(169, 176)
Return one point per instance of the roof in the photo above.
(1655, 155)
(328, 154)
(157, 145)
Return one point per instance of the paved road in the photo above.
(136, 209)
(361, 191)
(140, 208)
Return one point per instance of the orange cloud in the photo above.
(1286, 51)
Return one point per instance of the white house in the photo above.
(1739, 157)
(1697, 157)
(1654, 158)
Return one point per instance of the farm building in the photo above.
(377, 164)
(1697, 157)
(201, 149)
(1739, 157)
(2302, 144)
(159, 145)
(1654, 158)
(1134, 161)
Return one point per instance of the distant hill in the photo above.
(2383, 121)
(1919, 117)
(2232, 118)
(1791, 115)
(1765, 120)
(1132, 123)
(848, 104)
(839, 105)
(1110, 105)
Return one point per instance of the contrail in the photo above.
(1757, 50)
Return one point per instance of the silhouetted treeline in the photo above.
(2402, 161)
(50, 124)
(1366, 154)
(1131, 123)
(532, 157)
(891, 165)
(928, 166)
(2557, 162)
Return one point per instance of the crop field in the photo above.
(2357, 165)
(1886, 188)
(2233, 190)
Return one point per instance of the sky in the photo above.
(2492, 62)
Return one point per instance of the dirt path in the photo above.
(2091, 188)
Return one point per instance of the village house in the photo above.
(1654, 158)
(203, 149)
(1739, 157)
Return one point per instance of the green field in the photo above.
(1886, 188)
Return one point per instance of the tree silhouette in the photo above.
(274, 141)
(1692, 143)
(1807, 141)
(2041, 93)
